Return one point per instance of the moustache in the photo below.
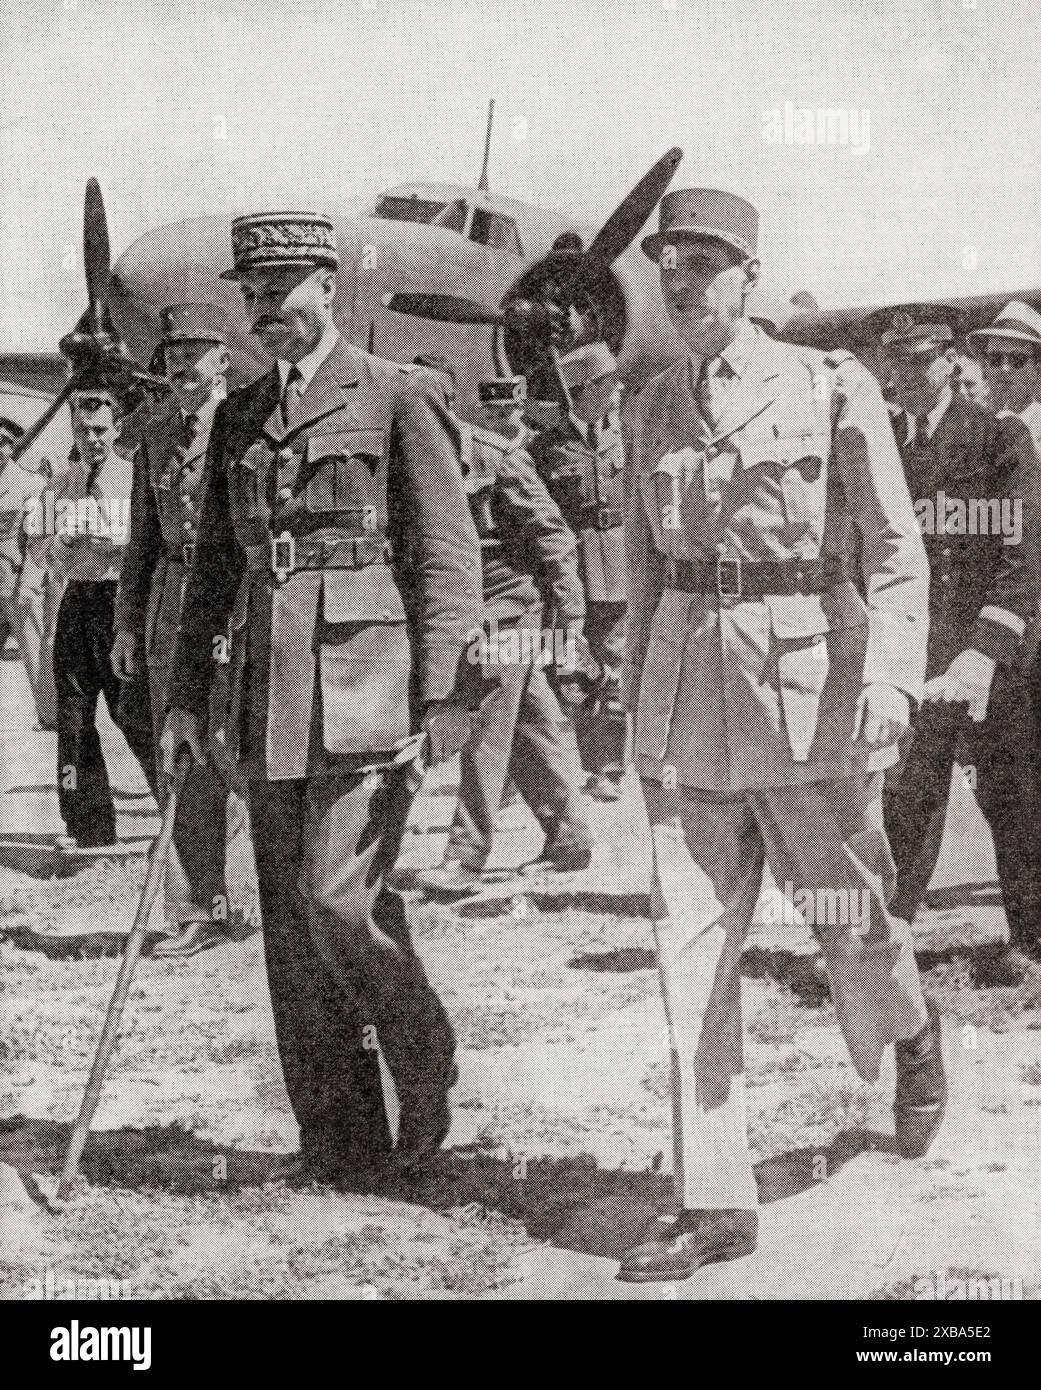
(265, 321)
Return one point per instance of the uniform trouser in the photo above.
(341, 967)
(1003, 756)
(520, 733)
(709, 851)
(196, 890)
(600, 726)
(82, 672)
(28, 614)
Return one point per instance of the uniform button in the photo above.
(945, 578)
(285, 455)
(945, 551)
(187, 526)
(721, 547)
(386, 615)
(186, 501)
(468, 565)
(285, 494)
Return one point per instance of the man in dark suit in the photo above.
(336, 539)
(973, 483)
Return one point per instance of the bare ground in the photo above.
(560, 1148)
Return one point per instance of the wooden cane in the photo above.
(92, 1091)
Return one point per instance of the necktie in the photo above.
(713, 387)
(191, 429)
(593, 437)
(294, 389)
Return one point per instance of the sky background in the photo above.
(329, 101)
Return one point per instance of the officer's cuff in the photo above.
(443, 673)
(998, 634)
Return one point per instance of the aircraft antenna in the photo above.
(482, 182)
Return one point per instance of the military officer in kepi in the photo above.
(974, 482)
(581, 462)
(769, 696)
(520, 732)
(168, 474)
(335, 536)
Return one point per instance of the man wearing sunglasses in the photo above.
(973, 481)
(1010, 351)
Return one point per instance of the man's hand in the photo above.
(124, 656)
(181, 727)
(883, 714)
(446, 724)
(966, 681)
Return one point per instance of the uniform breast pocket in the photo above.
(788, 472)
(340, 468)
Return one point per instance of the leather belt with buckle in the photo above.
(731, 577)
(286, 554)
(602, 518)
(184, 555)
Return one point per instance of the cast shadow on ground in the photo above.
(569, 1203)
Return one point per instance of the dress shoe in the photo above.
(425, 1117)
(603, 788)
(450, 879)
(190, 939)
(347, 1174)
(1002, 965)
(571, 860)
(921, 1088)
(677, 1248)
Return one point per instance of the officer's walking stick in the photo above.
(92, 1092)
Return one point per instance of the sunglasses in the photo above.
(1013, 359)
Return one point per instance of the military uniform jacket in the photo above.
(974, 471)
(527, 550)
(18, 493)
(586, 482)
(336, 656)
(169, 466)
(733, 693)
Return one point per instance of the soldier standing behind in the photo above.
(974, 485)
(19, 493)
(168, 476)
(768, 698)
(332, 495)
(582, 464)
(520, 732)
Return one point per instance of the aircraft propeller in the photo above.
(540, 311)
(92, 348)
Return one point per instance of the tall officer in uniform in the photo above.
(768, 697)
(521, 732)
(582, 464)
(973, 481)
(333, 504)
(168, 474)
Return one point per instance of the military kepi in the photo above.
(193, 323)
(588, 363)
(503, 390)
(908, 329)
(704, 212)
(268, 240)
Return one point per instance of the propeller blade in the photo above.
(633, 211)
(96, 254)
(443, 308)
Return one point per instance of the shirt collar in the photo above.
(209, 405)
(736, 354)
(935, 415)
(307, 366)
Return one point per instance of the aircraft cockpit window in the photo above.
(452, 216)
(398, 209)
(494, 230)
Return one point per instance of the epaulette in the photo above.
(407, 368)
(837, 356)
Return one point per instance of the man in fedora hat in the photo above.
(768, 698)
(336, 539)
(164, 513)
(973, 482)
(581, 462)
(1010, 351)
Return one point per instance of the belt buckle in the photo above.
(283, 555)
(728, 576)
(603, 519)
(188, 552)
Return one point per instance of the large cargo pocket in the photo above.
(793, 464)
(365, 687)
(819, 644)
